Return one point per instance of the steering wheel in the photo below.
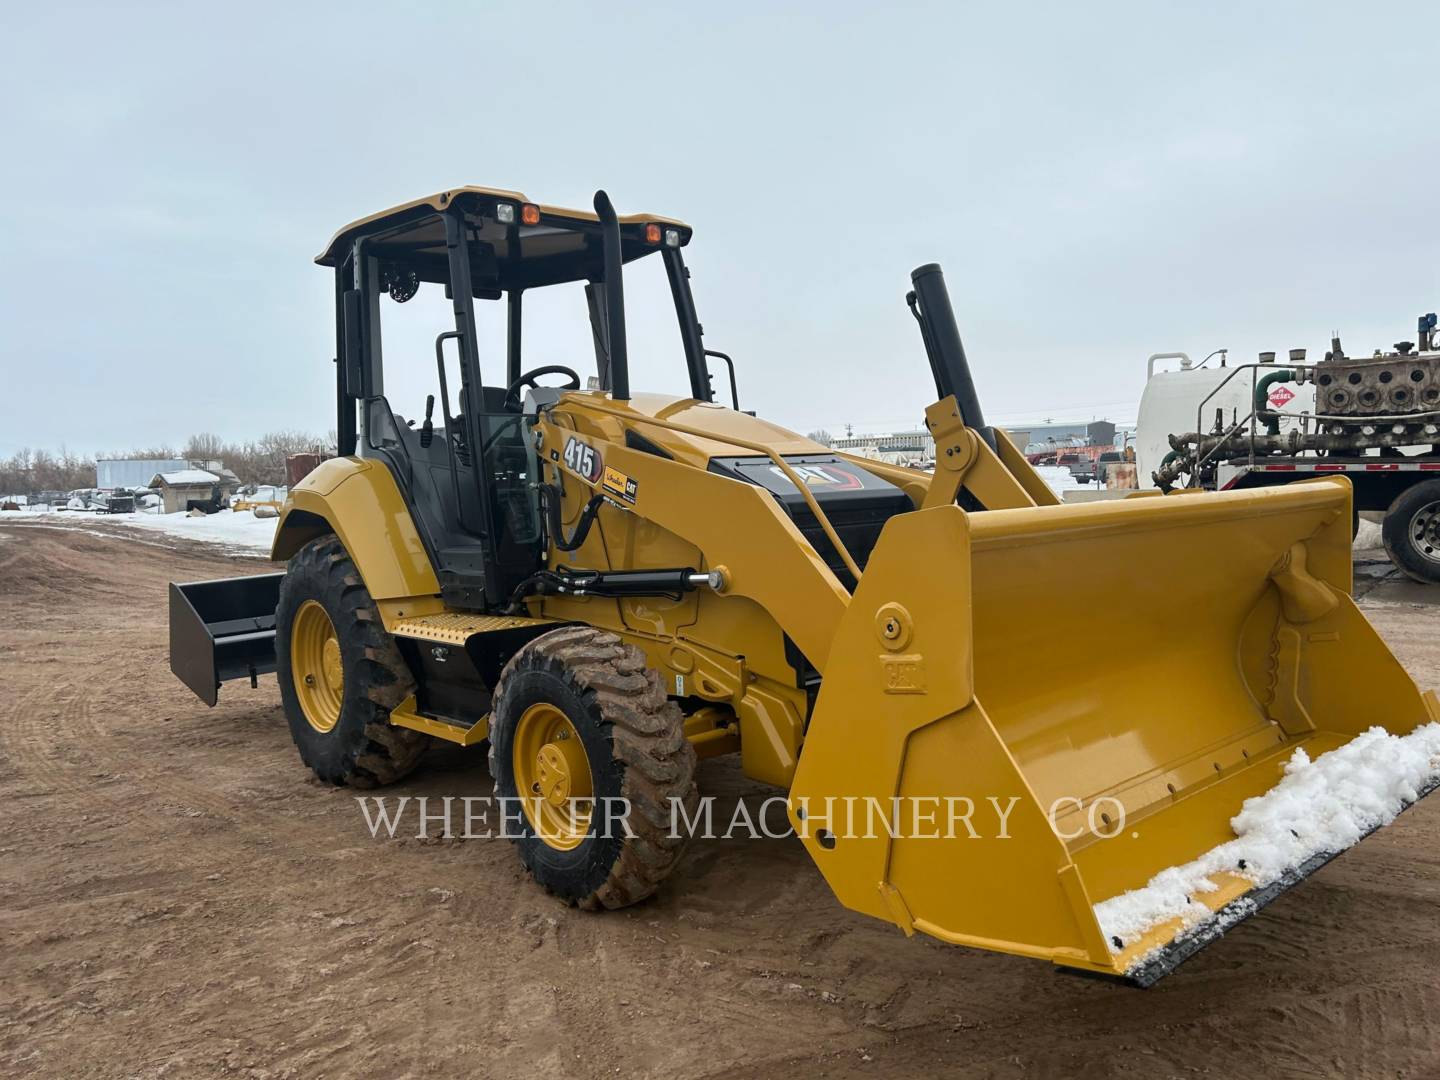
(512, 392)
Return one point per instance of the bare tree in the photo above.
(28, 472)
(204, 447)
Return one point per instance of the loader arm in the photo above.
(739, 527)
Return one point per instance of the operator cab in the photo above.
(465, 467)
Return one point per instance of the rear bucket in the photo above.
(1104, 686)
(221, 630)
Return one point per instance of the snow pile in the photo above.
(188, 477)
(243, 531)
(1058, 477)
(1368, 535)
(1320, 807)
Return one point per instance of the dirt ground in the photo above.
(178, 897)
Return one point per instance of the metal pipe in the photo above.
(1193, 450)
(1236, 370)
(734, 393)
(1261, 399)
(1184, 359)
(755, 448)
(512, 336)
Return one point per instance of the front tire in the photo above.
(583, 743)
(1411, 532)
(340, 672)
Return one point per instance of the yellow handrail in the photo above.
(744, 444)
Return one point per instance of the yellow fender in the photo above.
(359, 502)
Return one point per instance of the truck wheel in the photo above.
(589, 760)
(340, 672)
(1411, 532)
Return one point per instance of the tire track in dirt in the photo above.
(32, 736)
(52, 739)
(270, 932)
(57, 743)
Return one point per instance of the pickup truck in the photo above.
(1081, 466)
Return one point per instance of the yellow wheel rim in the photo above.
(552, 776)
(315, 663)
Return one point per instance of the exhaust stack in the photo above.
(614, 298)
(930, 304)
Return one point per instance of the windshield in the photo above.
(555, 329)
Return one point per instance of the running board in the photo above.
(448, 630)
(405, 715)
(456, 628)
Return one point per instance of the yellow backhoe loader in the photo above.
(606, 586)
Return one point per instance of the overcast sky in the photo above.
(1100, 181)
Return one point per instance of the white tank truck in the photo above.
(1376, 419)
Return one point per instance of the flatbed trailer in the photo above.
(1405, 491)
(1377, 483)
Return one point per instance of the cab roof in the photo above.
(560, 239)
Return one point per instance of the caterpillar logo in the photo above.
(618, 484)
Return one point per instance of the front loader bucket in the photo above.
(1055, 705)
(221, 630)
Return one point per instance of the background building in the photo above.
(182, 487)
(111, 473)
(899, 447)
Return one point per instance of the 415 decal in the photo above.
(581, 458)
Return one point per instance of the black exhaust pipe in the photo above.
(614, 298)
(943, 346)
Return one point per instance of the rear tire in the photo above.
(340, 672)
(1411, 532)
(584, 705)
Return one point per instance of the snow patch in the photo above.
(183, 477)
(1368, 536)
(237, 531)
(1057, 477)
(1319, 807)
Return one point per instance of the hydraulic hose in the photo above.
(1166, 475)
(550, 497)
